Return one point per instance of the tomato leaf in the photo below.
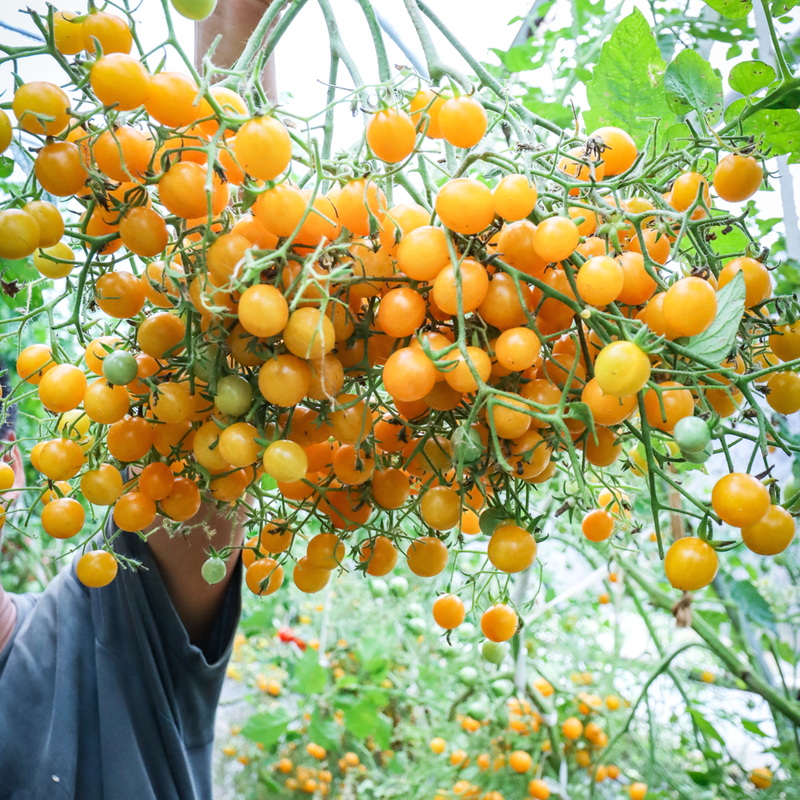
(582, 413)
(382, 732)
(520, 58)
(748, 77)
(734, 109)
(626, 88)
(363, 719)
(716, 342)
(323, 731)
(677, 134)
(752, 603)
(781, 7)
(559, 113)
(783, 649)
(372, 652)
(713, 777)
(268, 781)
(310, 677)
(267, 727)
(752, 727)
(692, 84)
(732, 9)
(491, 518)
(705, 727)
(778, 127)
(729, 240)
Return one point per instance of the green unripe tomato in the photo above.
(399, 586)
(416, 626)
(467, 445)
(378, 587)
(466, 631)
(478, 709)
(697, 458)
(234, 396)
(692, 434)
(194, 9)
(790, 489)
(468, 675)
(214, 570)
(204, 364)
(416, 610)
(120, 368)
(494, 652)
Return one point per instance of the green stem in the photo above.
(337, 44)
(783, 67)
(483, 74)
(377, 39)
(327, 142)
(263, 39)
(437, 69)
(788, 708)
(769, 101)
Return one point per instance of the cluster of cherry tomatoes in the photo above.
(404, 374)
(527, 733)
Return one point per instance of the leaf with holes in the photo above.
(732, 9)
(626, 89)
(692, 85)
(748, 77)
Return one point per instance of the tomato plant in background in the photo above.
(478, 329)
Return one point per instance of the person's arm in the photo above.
(8, 610)
(234, 20)
(180, 559)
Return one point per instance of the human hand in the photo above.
(234, 21)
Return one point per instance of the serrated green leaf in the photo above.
(323, 731)
(705, 727)
(583, 413)
(626, 88)
(257, 622)
(751, 602)
(732, 9)
(382, 732)
(676, 135)
(266, 779)
(751, 726)
(267, 727)
(779, 128)
(373, 653)
(716, 342)
(692, 84)
(519, 59)
(734, 110)
(361, 718)
(491, 518)
(713, 777)
(310, 677)
(748, 77)
(558, 113)
(728, 240)
(781, 7)
(786, 652)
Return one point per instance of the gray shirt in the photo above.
(103, 697)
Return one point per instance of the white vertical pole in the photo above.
(785, 180)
